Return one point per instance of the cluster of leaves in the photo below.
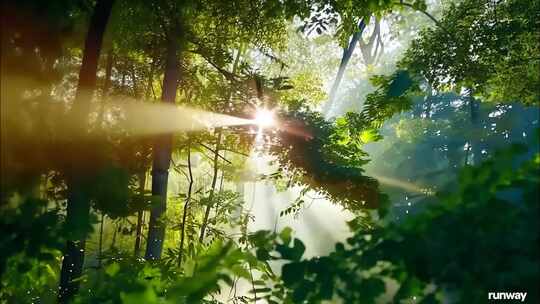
(270, 246)
(393, 95)
(488, 46)
(504, 68)
(326, 156)
(482, 237)
(129, 280)
(347, 15)
(306, 86)
(329, 156)
(30, 242)
(28, 280)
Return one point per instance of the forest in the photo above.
(270, 151)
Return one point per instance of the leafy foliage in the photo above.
(325, 156)
(489, 47)
(30, 242)
(128, 280)
(461, 247)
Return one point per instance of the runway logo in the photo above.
(507, 296)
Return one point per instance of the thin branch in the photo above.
(237, 152)
(273, 58)
(186, 206)
(214, 151)
(423, 12)
(228, 75)
(212, 190)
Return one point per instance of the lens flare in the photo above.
(264, 118)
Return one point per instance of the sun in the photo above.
(264, 118)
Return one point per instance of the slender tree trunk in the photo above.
(150, 85)
(92, 50)
(428, 102)
(467, 152)
(222, 174)
(106, 86)
(78, 214)
(212, 190)
(347, 53)
(162, 157)
(369, 50)
(216, 158)
(138, 236)
(186, 208)
(108, 73)
(100, 245)
(78, 205)
(476, 148)
(115, 232)
(134, 81)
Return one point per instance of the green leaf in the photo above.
(293, 272)
(285, 235)
(112, 269)
(292, 253)
(240, 271)
(401, 82)
(371, 135)
(262, 254)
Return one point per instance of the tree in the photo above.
(347, 53)
(162, 147)
(78, 206)
(505, 29)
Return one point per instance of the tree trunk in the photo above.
(78, 205)
(162, 157)
(138, 236)
(347, 53)
(115, 232)
(370, 49)
(476, 148)
(106, 87)
(108, 74)
(100, 245)
(186, 206)
(92, 50)
(428, 101)
(216, 156)
(150, 86)
(78, 215)
(212, 190)
(134, 81)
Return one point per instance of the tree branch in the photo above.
(423, 12)
(214, 151)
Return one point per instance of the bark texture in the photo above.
(78, 204)
(162, 149)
